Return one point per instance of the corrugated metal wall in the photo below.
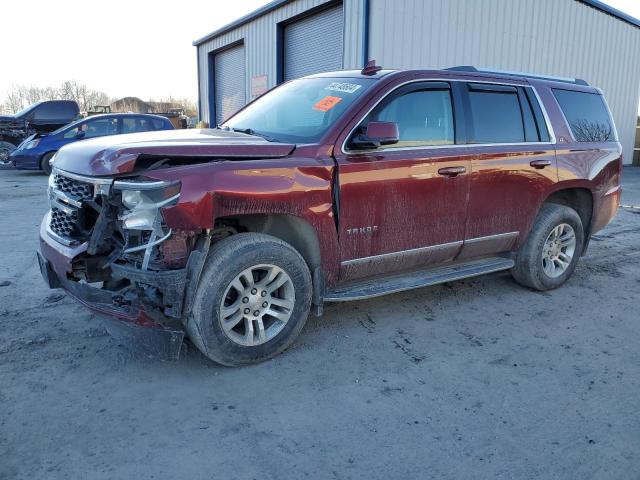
(553, 37)
(301, 39)
(260, 45)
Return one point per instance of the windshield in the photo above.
(26, 110)
(300, 111)
(67, 126)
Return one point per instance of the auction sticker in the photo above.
(343, 87)
(327, 103)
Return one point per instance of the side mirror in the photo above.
(377, 134)
(80, 135)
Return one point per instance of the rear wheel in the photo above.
(550, 254)
(252, 300)
(45, 162)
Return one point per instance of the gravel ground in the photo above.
(469, 380)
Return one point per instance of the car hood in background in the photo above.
(118, 154)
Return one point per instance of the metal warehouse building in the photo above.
(287, 39)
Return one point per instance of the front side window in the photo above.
(587, 115)
(299, 111)
(424, 117)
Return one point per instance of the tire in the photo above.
(45, 166)
(228, 262)
(5, 150)
(550, 238)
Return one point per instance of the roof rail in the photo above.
(469, 68)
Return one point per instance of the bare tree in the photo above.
(591, 131)
(21, 96)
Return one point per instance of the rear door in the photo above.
(402, 206)
(512, 168)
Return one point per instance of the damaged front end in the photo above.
(105, 242)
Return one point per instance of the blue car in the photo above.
(35, 152)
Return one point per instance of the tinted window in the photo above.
(587, 115)
(56, 111)
(496, 114)
(101, 127)
(424, 117)
(159, 124)
(136, 124)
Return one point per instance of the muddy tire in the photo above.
(45, 166)
(252, 300)
(550, 254)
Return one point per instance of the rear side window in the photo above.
(587, 115)
(159, 124)
(496, 114)
(505, 114)
(56, 111)
(424, 117)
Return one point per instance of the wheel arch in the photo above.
(292, 229)
(581, 199)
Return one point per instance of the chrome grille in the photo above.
(72, 217)
(77, 189)
(65, 224)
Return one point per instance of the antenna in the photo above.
(370, 68)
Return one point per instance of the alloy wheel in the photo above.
(257, 305)
(558, 250)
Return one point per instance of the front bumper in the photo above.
(145, 329)
(21, 161)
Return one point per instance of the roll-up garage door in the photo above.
(229, 82)
(314, 44)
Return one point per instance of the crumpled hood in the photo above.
(117, 154)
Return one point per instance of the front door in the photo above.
(403, 206)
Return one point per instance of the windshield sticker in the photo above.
(327, 103)
(343, 87)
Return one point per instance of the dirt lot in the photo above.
(473, 379)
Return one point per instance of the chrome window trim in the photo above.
(492, 237)
(439, 246)
(552, 135)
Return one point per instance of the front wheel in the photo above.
(45, 163)
(252, 300)
(5, 150)
(550, 254)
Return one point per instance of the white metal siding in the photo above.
(553, 37)
(229, 83)
(314, 44)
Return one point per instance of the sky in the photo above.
(137, 48)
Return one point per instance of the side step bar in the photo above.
(424, 278)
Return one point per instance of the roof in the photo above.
(603, 7)
(273, 5)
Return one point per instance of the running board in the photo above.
(424, 278)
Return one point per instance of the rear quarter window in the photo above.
(587, 115)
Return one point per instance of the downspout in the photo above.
(365, 31)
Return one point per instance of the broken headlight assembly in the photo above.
(141, 217)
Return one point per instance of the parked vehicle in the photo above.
(41, 117)
(334, 187)
(36, 152)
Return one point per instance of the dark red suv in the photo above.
(333, 187)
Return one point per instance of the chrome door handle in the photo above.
(451, 171)
(540, 164)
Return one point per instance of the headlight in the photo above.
(31, 144)
(142, 202)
